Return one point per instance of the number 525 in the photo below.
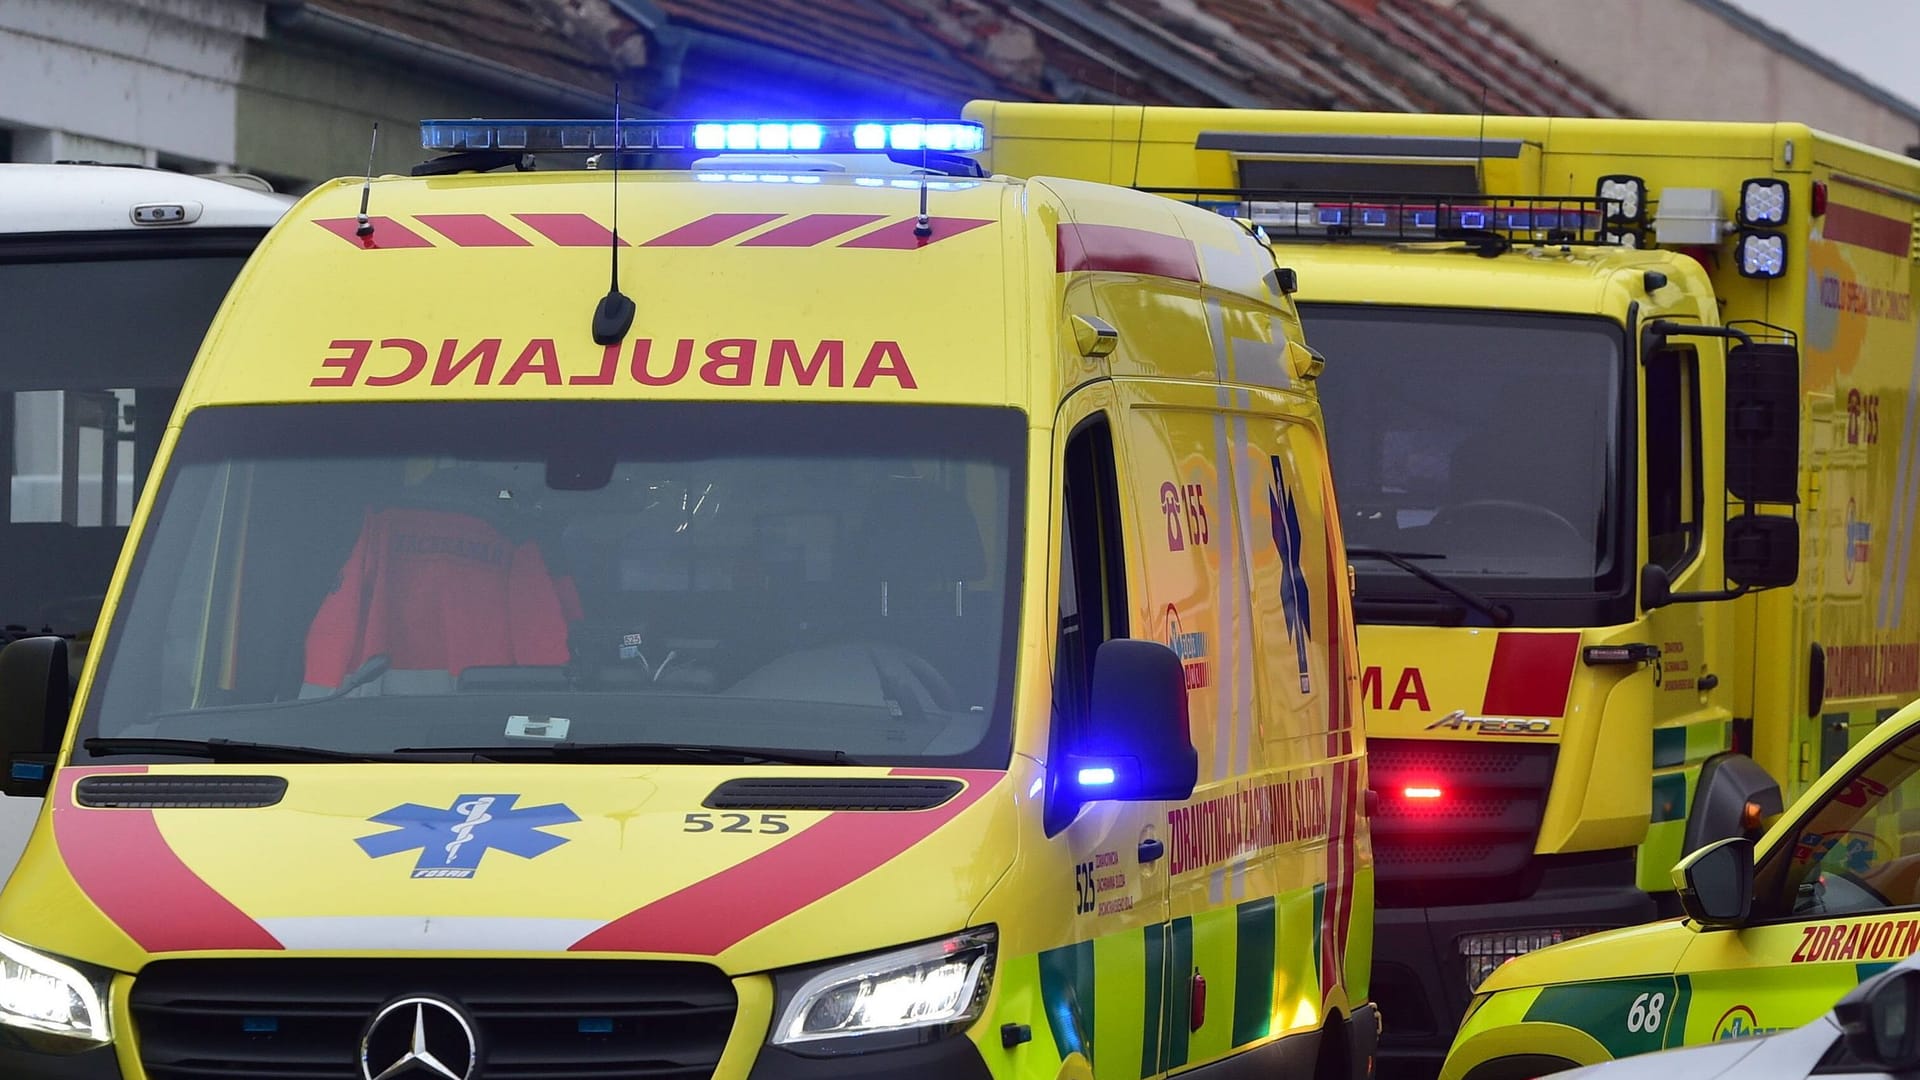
(736, 823)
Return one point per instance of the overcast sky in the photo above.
(1876, 38)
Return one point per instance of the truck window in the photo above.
(1486, 444)
(97, 342)
(371, 576)
(1673, 458)
(1093, 589)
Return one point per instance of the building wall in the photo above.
(305, 110)
(140, 81)
(1678, 60)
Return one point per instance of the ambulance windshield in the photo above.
(368, 577)
(1483, 447)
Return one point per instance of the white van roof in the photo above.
(88, 198)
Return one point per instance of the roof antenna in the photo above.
(613, 316)
(923, 225)
(365, 228)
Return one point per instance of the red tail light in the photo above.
(1421, 791)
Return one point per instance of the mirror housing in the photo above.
(1762, 551)
(1139, 748)
(35, 697)
(1763, 422)
(1880, 1021)
(1715, 883)
(1656, 587)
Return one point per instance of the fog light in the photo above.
(1624, 198)
(1763, 202)
(1761, 254)
(1485, 952)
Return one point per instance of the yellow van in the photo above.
(780, 612)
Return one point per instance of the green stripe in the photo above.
(1253, 969)
(1670, 797)
(1156, 981)
(1179, 992)
(1319, 927)
(1066, 986)
(1669, 746)
(1707, 738)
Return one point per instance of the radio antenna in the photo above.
(365, 227)
(613, 316)
(923, 225)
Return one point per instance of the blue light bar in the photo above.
(710, 136)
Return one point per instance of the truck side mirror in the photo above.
(1763, 422)
(34, 701)
(1138, 747)
(1715, 883)
(1762, 550)
(1880, 1021)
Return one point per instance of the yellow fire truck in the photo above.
(1623, 425)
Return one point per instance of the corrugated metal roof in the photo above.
(1392, 55)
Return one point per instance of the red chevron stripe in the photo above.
(387, 233)
(711, 915)
(569, 230)
(710, 230)
(121, 860)
(1125, 250)
(473, 230)
(899, 235)
(810, 230)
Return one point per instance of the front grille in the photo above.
(1472, 842)
(535, 1019)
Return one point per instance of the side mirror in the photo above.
(1880, 1021)
(1763, 422)
(34, 699)
(1762, 550)
(1305, 361)
(1715, 883)
(1138, 747)
(1656, 586)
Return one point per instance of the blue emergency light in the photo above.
(703, 136)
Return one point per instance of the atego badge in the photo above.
(1458, 720)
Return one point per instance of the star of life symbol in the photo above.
(455, 1040)
(453, 841)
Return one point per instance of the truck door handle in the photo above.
(1151, 849)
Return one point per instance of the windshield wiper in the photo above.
(1499, 613)
(635, 753)
(229, 750)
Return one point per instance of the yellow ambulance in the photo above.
(763, 599)
(1624, 423)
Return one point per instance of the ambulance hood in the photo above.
(512, 858)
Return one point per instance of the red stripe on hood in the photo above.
(1531, 674)
(713, 914)
(120, 859)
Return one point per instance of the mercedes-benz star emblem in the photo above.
(415, 1038)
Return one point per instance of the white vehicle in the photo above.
(109, 278)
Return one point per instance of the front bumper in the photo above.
(1420, 978)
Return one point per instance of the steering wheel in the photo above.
(1857, 882)
(1512, 507)
(938, 688)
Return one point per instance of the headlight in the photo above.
(1483, 953)
(1763, 202)
(932, 985)
(41, 994)
(1761, 254)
